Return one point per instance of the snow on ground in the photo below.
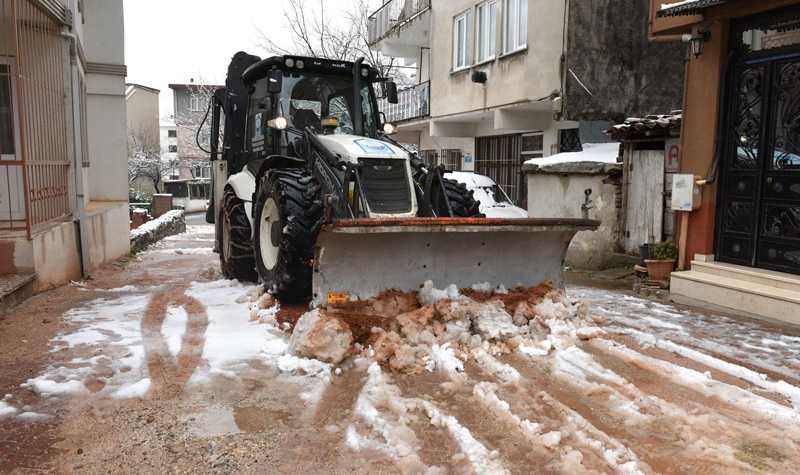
(115, 340)
(753, 343)
(580, 379)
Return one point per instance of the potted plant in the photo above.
(662, 261)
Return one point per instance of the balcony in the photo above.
(400, 27)
(412, 103)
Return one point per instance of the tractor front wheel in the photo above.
(287, 216)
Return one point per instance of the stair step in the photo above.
(748, 274)
(738, 294)
(14, 288)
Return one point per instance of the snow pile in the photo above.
(449, 327)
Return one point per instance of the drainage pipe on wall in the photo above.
(79, 216)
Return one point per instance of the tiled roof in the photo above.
(651, 127)
(687, 7)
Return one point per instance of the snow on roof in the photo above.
(470, 179)
(686, 7)
(592, 152)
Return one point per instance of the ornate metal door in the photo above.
(759, 210)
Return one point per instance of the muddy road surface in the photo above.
(157, 365)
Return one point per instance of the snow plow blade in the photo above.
(358, 259)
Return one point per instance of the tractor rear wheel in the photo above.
(462, 201)
(234, 242)
(287, 216)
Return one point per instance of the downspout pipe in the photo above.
(79, 217)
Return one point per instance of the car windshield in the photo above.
(495, 194)
(307, 99)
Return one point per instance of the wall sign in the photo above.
(672, 156)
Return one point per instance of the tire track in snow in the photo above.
(732, 418)
(658, 442)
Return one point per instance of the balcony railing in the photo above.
(412, 103)
(392, 14)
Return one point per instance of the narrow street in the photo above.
(160, 364)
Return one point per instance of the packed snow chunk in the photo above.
(29, 416)
(415, 322)
(7, 409)
(429, 295)
(293, 364)
(321, 336)
(134, 390)
(443, 359)
(551, 439)
(494, 323)
(541, 348)
(48, 387)
(588, 333)
(503, 372)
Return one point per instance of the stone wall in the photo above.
(174, 222)
(558, 191)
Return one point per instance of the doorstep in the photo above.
(760, 293)
(14, 288)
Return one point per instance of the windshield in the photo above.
(307, 99)
(491, 195)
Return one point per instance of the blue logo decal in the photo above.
(374, 147)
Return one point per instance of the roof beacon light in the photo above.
(388, 128)
(300, 64)
(289, 62)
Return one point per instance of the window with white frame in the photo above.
(197, 103)
(532, 145)
(515, 25)
(461, 27)
(487, 30)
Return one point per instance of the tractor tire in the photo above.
(234, 240)
(287, 216)
(462, 200)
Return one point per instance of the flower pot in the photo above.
(660, 270)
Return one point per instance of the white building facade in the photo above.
(494, 77)
(63, 169)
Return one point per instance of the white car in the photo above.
(495, 203)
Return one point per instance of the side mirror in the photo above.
(390, 91)
(275, 81)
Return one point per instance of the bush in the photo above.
(665, 251)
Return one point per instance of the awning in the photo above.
(687, 7)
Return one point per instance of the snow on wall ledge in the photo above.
(168, 224)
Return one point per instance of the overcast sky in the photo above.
(172, 41)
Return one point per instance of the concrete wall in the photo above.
(105, 103)
(611, 54)
(522, 76)
(558, 191)
(143, 117)
(107, 232)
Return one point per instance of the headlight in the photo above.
(300, 64)
(279, 123)
(388, 128)
(289, 62)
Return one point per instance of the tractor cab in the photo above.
(289, 96)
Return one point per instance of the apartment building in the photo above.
(500, 82)
(63, 173)
(144, 136)
(190, 105)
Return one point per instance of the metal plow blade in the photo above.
(359, 259)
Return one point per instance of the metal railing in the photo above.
(392, 14)
(35, 166)
(412, 103)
